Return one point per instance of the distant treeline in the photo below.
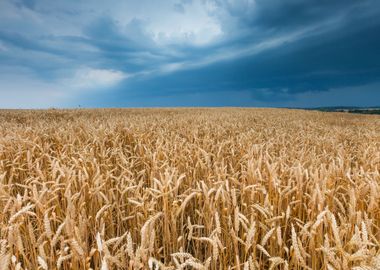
(376, 111)
(360, 110)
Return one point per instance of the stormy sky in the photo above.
(148, 53)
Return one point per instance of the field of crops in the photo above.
(189, 189)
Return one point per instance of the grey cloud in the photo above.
(179, 8)
(25, 3)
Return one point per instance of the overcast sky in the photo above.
(270, 53)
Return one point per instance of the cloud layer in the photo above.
(189, 52)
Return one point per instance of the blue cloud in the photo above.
(26, 3)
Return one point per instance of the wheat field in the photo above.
(189, 189)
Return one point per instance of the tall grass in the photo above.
(189, 189)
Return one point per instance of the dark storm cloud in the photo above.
(290, 14)
(345, 55)
(266, 51)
